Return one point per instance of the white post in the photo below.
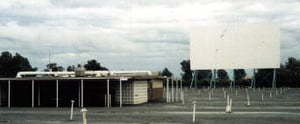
(236, 92)
(194, 111)
(172, 91)
(107, 83)
(224, 94)
(270, 94)
(71, 116)
(8, 101)
(248, 100)
(32, 93)
(276, 92)
(228, 106)
(84, 110)
(81, 92)
(56, 93)
(262, 97)
(168, 95)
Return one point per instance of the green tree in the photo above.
(54, 67)
(186, 69)
(239, 74)
(10, 65)
(166, 72)
(71, 68)
(222, 74)
(94, 65)
(264, 77)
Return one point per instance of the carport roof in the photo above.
(87, 78)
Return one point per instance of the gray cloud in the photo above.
(131, 34)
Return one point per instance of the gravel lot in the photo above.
(281, 108)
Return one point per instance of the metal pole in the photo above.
(81, 93)
(274, 79)
(194, 111)
(172, 91)
(32, 93)
(71, 116)
(84, 110)
(120, 93)
(56, 93)
(108, 93)
(8, 101)
(168, 95)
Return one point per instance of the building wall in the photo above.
(133, 92)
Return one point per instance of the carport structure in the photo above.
(59, 91)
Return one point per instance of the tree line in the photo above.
(11, 64)
(287, 75)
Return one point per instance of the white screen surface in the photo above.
(235, 47)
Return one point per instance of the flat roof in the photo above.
(85, 78)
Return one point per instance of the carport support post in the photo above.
(8, 101)
(32, 93)
(108, 105)
(81, 83)
(168, 95)
(56, 93)
(172, 91)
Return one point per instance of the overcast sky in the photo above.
(131, 34)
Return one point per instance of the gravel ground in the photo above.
(281, 108)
